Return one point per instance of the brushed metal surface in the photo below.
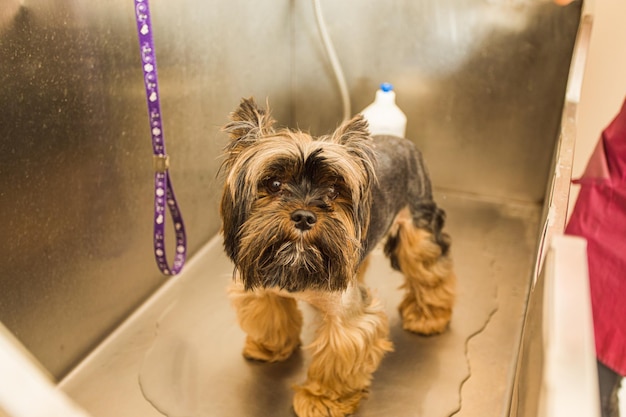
(181, 353)
(482, 83)
(75, 155)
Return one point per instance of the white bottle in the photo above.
(383, 115)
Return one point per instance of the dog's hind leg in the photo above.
(420, 250)
(349, 344)
(272, 323)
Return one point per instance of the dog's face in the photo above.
(295, 209)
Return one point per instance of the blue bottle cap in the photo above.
(386, 87)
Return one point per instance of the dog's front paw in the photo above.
(265, 353)
(312, 400)
(424, 321)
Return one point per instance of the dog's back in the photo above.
(402, 182)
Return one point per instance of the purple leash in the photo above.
(163, 190)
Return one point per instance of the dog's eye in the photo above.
(274, 185)
(332, 192)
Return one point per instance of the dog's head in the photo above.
(295, 209)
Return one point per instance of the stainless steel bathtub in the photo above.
(490, 88)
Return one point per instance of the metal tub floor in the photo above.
(180, 354)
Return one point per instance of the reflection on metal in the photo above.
(557, 375)
(482, 83)
(180, 355)
(76, 176)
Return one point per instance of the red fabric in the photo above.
(597, 168)
(600, 216)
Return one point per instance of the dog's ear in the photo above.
(248, 123)
(355, 136)
(352, 131)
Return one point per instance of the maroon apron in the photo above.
(600, 216)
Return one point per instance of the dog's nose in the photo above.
(303, 219)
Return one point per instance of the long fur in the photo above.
(339, 377)
(279, 335)
(354, 192)
(324, 259)
(429, 277)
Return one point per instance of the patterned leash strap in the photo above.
(163, 190)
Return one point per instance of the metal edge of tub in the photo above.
(556, 202)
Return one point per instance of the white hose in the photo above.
(334, 62)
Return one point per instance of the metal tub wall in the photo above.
(482, 83)
(76, 179)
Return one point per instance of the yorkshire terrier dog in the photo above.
(300, 216)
